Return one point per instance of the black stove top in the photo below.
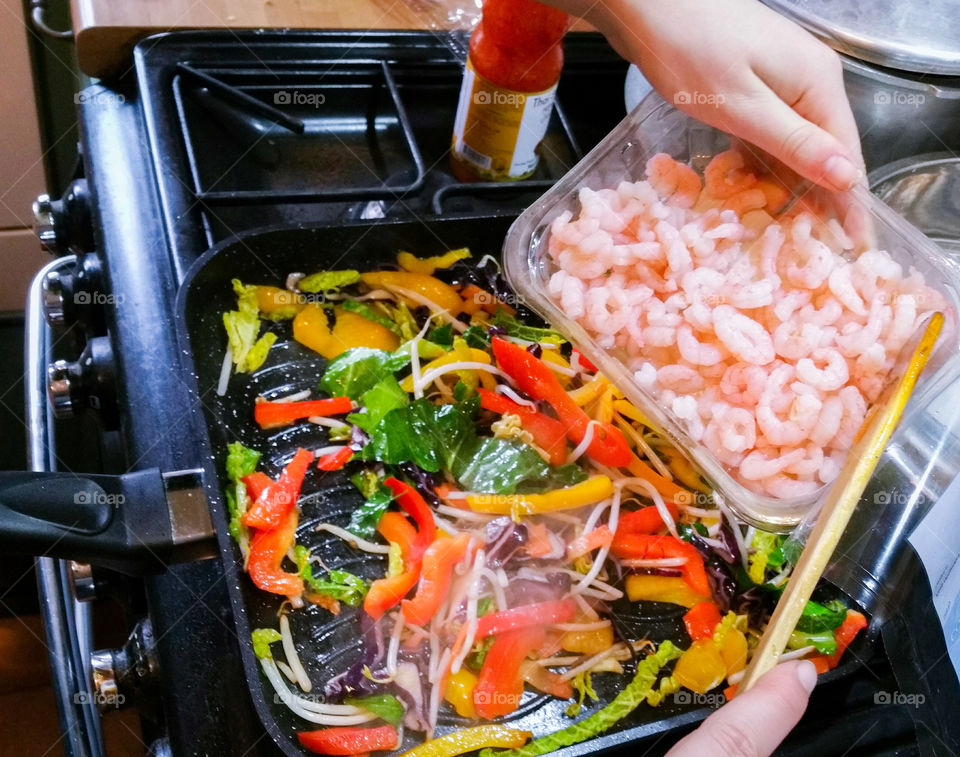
(218, 133)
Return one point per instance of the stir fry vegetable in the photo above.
(508, 499)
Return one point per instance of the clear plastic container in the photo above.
(657, 127)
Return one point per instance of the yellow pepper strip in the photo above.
(470, 739)
(589, 391)
(555, 358)
(630, 431)
(438, 292)
(605, 406)
(475, 356)
(587, 492)
(627, 408)
(701, 668)
(413, 264)
(672, 589)
(466, 353)
(685, 472)
(588, 642)
(278, 304)
(459, 693)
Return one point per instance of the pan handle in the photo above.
(122, 522)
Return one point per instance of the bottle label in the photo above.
(497, 130)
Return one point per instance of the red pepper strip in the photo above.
(256, 482)
(269, 414)
(267, 550)
(533, 377)
(417, 508)
(646, 520)
(585, 362)
(500, 686)
(438, 562)
(385, 593)
(346, 740)
(335, 460)
(657, 547)
(701, 620)
(586, 543)
(539, 614)
(846, 633)
(277, 499)
(548, 433)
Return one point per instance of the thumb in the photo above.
(814, 153)
(755, 722)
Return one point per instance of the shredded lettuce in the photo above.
(339, 584)
(243, 326)
(823, 641)
(583, 685)
(622, 705)
(327, 280)
(358, 370)
(442, 335)
(761, 546)
(385, 706)
(241, 461)
(262, 639)
(395, 564)
(477, 337)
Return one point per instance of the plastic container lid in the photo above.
(910, 36)
(622, 156)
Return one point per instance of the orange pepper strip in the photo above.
(438, 562)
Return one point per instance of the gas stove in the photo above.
(217, 133)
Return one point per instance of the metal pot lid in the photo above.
(923, 37)
(926, 191)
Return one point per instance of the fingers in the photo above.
(813, 152)
(755, 722)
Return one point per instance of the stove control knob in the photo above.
(63, 388)
(43, 214)
(123, 675)
(52, 286)
(87, 382)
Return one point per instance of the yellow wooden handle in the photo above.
(839, 505)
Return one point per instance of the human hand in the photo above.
(744, 69)
(755, 722)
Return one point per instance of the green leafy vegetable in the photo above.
(477, 337)
(364, 520)
(243, 325)
(384, 706)
(817, 617)
(479, 653)
(824, 641)
(377, 401)
(687, 530)
(442, 335)
(326, 280)
(622, 705)
(365, 311)
(484, 605)
(506, 466)
(241, 461)
(761, 546)
(358, 370)
(339, 584)
(517, 328)
(262, 639)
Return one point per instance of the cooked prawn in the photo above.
(724, 175)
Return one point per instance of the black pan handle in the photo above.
(121, 522)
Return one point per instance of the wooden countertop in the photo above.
(107, 30)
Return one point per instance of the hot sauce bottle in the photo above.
(508, 90)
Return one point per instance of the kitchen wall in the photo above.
(21, 162)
